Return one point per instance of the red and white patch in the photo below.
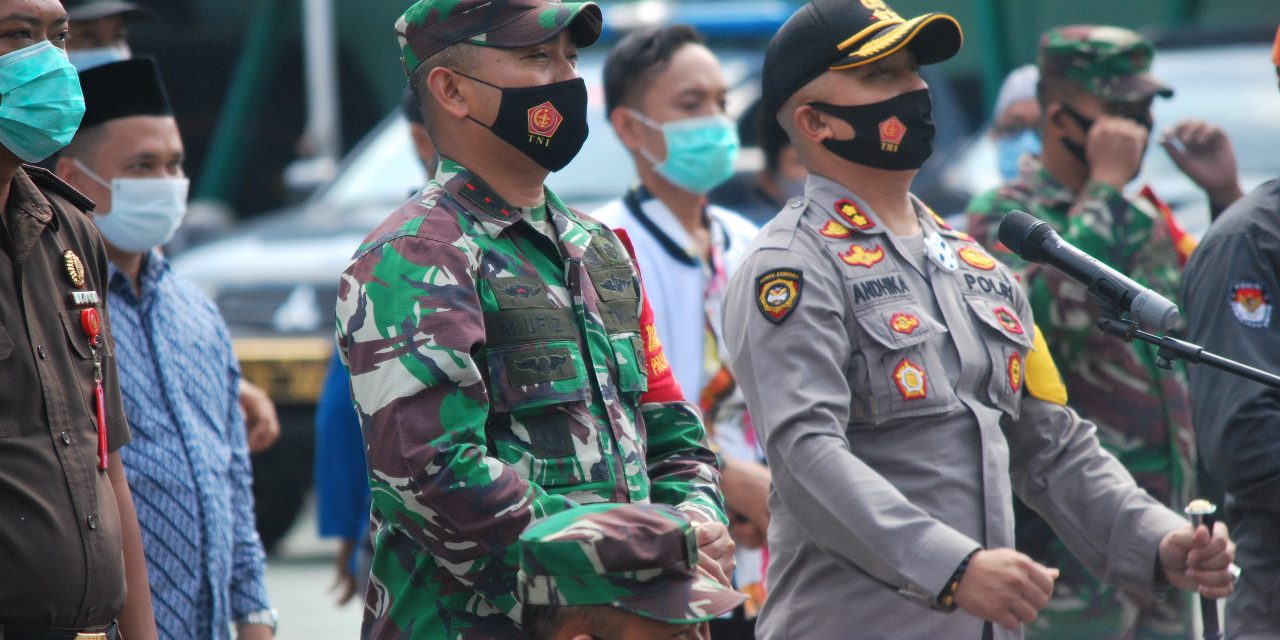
(904, 323)
(833, 229)
(892, 131)
(1251, 304)
(849, 211)
(544, 120)
(911, 380)
(1008, 320)
(1015, 373)
(977, 258)
(858, 256)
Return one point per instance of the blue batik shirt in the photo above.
(188, 463)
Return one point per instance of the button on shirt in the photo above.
(188, 464)
(57, 567)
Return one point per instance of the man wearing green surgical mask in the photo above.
(665, 95)
(71, 558)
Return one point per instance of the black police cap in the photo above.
(123, 89)
(842, 34)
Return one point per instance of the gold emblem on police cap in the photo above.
(75, 268)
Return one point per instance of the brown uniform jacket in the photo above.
(60, 548)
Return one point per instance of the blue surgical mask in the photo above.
(40, 101)
(86, 59)
(700, 151)
(1010, 149)
(145, 212)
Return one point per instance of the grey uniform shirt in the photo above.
(890, 396)
(1231, 287)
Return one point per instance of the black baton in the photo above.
(1203, 512)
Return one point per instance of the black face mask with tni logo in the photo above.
(895, 134)
(547, 123)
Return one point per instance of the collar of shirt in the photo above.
(493, 212)
(154, 267)
(1037, 180)
(850, 212)
(657, 219)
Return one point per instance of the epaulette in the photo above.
(47, 182)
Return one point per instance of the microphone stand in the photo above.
(1170, 349)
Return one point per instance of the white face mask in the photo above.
(86, 59)
(145, 212)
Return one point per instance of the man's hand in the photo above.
(1114, 148)
(261, 424)
(1194, 561)
(715, 547)
(1204, 153)
(745, 484)
(1005, 587)
(344, 582)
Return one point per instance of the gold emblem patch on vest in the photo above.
(911, 380)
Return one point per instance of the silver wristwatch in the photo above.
(269, 617)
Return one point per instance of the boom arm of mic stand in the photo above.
(1172, 348)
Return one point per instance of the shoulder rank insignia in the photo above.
(904, 323)
(1007, 320)
(778, 293)
(1015, 372)
(849, 211)
(910, 380)
(942, 223)
(977, 258)
(75, 268)
(833, 229)
(1251, 305)
(858, 256)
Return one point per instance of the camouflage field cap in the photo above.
(640, 558)
(431, 25)
(1109, 62)
(828, 35)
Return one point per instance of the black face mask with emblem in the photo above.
(547, 123)
(1077, 149)
(895, 134)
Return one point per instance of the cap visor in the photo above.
(95, 10)
(583, 20)
(933, 37)
(1139, 87)
(682, 601)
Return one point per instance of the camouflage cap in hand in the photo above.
(1109, 62)
(640, 558)
(431, 25)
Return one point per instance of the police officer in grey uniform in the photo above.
(895, 372)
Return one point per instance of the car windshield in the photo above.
(384, 170)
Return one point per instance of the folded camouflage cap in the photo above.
(431, 25)
(639, 558)
(1109, 62)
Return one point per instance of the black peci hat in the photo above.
(80, 10)
(842, 34)
(123, 89)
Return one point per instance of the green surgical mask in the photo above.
(700, 151)
(40, 101)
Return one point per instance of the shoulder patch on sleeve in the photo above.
(778, 293)
(1042, 379)
(1251, 304)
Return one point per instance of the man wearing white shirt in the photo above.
(665, 95)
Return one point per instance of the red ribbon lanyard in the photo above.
(91, 323)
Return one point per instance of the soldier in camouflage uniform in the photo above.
(1096, 93)
(500, 345)
(617, 572)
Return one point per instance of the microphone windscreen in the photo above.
(1023, 233)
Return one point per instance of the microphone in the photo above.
(1035, 241)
